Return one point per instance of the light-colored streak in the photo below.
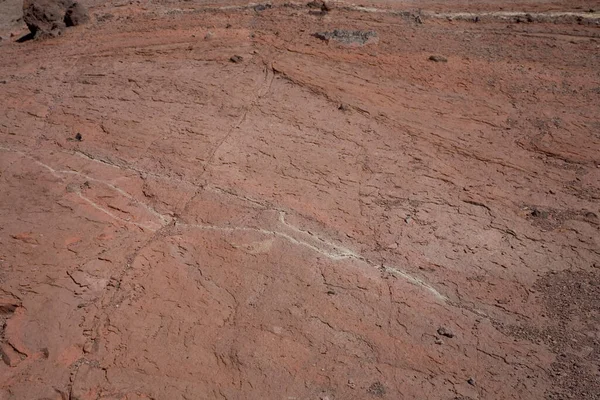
(59, 174)
(498, 15)
(105, 211)
(337, 252)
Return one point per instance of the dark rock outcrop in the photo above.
(77, 14)
(51, 17)
(348, 37)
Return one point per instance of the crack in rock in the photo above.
(326, 248)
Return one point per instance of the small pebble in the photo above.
(438, 59)
(262, 7)
(236, 59)
(88, 346)
(445, 332)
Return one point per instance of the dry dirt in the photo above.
(208, 201)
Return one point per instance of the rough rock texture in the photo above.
(45, 16)
(50, 17)
(76, 14)
(318, 222)
(348, 36)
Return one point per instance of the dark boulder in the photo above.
(50, 17)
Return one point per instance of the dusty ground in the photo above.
(315, 221)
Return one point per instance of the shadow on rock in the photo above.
(49, 18)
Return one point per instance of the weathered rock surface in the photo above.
(348, 36)
(50, 17)
(76, 14)
(314, 222)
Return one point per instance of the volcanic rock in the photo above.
(50, 17)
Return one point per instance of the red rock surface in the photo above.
(301, 224)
